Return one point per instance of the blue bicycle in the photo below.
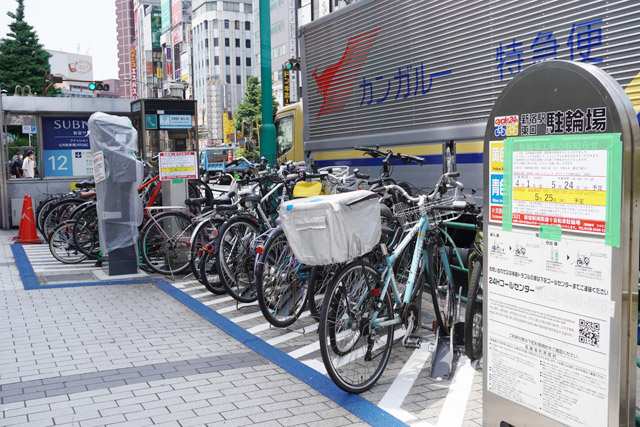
(365, 305)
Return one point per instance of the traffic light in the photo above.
(292, 64)
(97, 85)
(246, 128)
(53, 78)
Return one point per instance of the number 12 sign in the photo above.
(66, 146)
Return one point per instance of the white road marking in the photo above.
(316, 365)
(401, 386)
(233, 307)
(180, 285)
(246, 317)
(218, 301)
(259, 328)
(294, 334)
(455, 405)
(303, 351)
(200, 295)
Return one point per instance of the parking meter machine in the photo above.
(118, 175)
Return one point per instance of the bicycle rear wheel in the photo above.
(281, 282)
(59, 212)
(85, 232)
(209, 276)
(441, 288)
(319, 281)
(235, 259)
(62, 246)
(354, 351)
(473, 314)
(165, 242)
(204, 233)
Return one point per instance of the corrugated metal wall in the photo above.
(468, 51)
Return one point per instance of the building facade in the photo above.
(223, 52)
(125, 30)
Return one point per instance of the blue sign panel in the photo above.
(175, 121)
(496, 188)
(66, 146)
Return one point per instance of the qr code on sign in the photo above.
(589, 333)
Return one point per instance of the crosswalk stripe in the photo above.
(247, 317)
(200, 295)
(218, 301)
(286, 337)
(233, 307)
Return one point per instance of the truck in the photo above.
(420, 77)
(213, 161)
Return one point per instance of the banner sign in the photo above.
(134, 73)
(66, 147)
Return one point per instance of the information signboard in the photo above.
(179, 165)
(175, 121)
(66, 150)
(558, 246)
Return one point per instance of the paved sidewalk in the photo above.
(133, 355)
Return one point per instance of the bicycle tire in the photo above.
(235, 260)
(281, 285)
(442, 293)
(320, 279)
(204, 232)
(354, 368)
(209, 273)
(473, 316)
(42, 210)
(62, 246)
(59, 212)
(85, 232)
(196, 188)
(164, 242)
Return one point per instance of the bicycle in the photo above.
(473, 331)
(363, 306)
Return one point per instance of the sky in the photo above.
(87, 27)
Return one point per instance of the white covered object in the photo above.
(326, 230)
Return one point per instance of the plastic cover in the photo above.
(120, 209)
(326, 230)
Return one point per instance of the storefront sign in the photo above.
(66, 150)
(180, 165)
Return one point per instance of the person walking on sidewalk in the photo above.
(29, 165)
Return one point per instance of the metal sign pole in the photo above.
(561, 258)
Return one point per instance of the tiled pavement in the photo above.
(134, 355)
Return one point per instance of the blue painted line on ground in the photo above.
(355, 404)
(362, 408)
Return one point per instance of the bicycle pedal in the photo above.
(413, 342)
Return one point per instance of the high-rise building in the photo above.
(175, 43)
(148, 51)
(223, 51)
(125, 29)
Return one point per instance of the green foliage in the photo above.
(255, 154)
(23, 60)
(251, 106)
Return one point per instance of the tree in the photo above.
(23, 60)
(251, 106)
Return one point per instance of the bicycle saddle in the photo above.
(86, 183)
(225, 199)
(86, 194)
(197, 201)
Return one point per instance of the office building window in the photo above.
(248, 8)
(237, 25)
(247, 25)
(228, 78)
(278, 51)
(226, 24)
(277, 27)
(274, 4)
(238, 62)
(237, 42)
(234, 7)
(227, 60)
(239, 79)
(215, 42)
(206, 42)
(247, 43)
(206, 23)
(216, 60)
(226, 41)
(247, 61)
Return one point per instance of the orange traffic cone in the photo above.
(27, 232)
(229, 156)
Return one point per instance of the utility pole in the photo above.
(267, 130)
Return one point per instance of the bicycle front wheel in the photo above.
(281, 282)
(355, 351)
(85, 232)
(473, 314)
(62, 245)
(209, 276)
(204, 233)
(235, 260)
(165, 242)
(442, 292)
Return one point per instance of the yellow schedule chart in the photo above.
(565, 196)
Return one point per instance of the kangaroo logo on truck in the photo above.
(336, 81)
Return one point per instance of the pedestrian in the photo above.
(29, 165)
(16, 166)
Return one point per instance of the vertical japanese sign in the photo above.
(66, 150)
(176, 12)
(293, 50)
(286, 87)
(165, 11)
(496, 151)
(134, 73)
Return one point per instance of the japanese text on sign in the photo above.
(560, 187)
(181, 165)
(583, 37)
(497, 179)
